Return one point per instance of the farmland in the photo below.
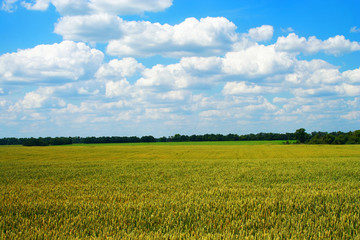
(178, 191)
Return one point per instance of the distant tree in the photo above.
(34, 142)
(329, 139)
(340, 139)
(193, 138)
(148, 139)
(176, 138)
(232, 137)
(354, 137)
(163, 139)
(301, 135)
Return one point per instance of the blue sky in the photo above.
(139, 67)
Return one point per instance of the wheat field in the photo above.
(154, 191)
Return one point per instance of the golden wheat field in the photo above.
(180, 192)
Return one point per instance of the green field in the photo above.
(175, 191)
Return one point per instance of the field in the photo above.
(175, 191)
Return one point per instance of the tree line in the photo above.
(300, 136)
(327, 138)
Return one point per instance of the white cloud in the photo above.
(263, 33)
(207, 36)
(312, 92)
(33, 100)
(129, 6)
(8, 5)
(338, 44)
(38, 5)
(355, 29)
(313, 72)
(43, 97)
(125, 67)
(355, 103)
(202, 64)
(206, 32)
(304, 110)
(262, 104)
(334, 45)
(66, 61)
(328, 76)
(211, 114)
(238, 88)
(190, 72)
(178, 95)
(118, 88)
(34, 116)
(352, 75)
(85, 91)
(165, 77)
(3, 103)
(83, 7)
(288, 29)
(258, 60)
(101, 27)
(348, 90)
(157, 113)
(354, 115)
(72, 7)
(341, 90)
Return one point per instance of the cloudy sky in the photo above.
(160, 67)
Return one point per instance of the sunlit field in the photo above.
(174, 191)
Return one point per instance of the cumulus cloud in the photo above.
(348, 90)
(129, 6)
(328, 76)
(341, 90)
(125, 67)
(83, 7)
(189, 73)
(263, 33)
(165, 77)
(118, 88)
(66, 60)
(262, 104)
(33, 100)
(313, 72)
(202, 65)
(100, 27)
(177, 95)
(313, 92)
(238, 88)
(42, 97)
(258, 60)
(352, 75)
(334, 45)
(207, 36)
(38, 5)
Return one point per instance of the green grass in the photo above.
(177, 191)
